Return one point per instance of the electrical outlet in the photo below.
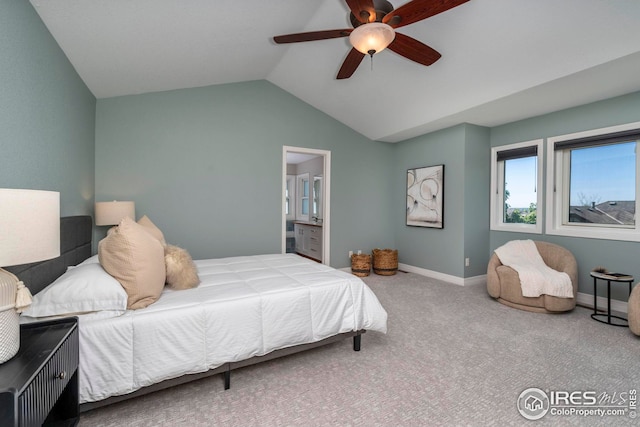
(359, 252)
(350, 254)
(466, 262)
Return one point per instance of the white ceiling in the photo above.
(502, 60)
(297, 158)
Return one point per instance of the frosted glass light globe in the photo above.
(372, 38)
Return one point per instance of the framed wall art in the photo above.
(425, 197)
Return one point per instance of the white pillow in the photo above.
(91, 260)
(86, 288)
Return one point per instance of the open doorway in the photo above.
(306, 189)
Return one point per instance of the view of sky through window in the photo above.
(598, 174)
(603, 174)
(520, 182)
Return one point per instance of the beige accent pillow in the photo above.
(181, 271)
(152, 229)
(136, 260)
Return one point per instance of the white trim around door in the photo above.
(326, 203)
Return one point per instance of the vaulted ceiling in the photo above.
(502, 60)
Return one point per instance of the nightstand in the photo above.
(39, 385)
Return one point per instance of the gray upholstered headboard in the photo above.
(75, 247)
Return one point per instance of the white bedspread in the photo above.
(536, 277)
(244, 307)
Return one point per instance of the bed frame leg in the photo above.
(357, 339)
(227, 379)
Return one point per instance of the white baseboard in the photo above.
(585, 300)
(476, 280)
(460, 281)
(455, 280)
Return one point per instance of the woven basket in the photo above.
(9, 318)
(360, 265)
(385, 261)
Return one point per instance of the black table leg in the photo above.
(595, 296)
(609, 301)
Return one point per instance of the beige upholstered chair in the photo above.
(633, 310)
(503, 282)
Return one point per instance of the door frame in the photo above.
(326, 197)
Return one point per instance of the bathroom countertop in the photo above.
(308, 223)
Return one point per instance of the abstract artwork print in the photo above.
(425, 196)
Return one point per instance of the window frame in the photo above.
(300, 197)
(557, 191)
(497, 182)
(290, 201)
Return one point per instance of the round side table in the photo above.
(609, 277)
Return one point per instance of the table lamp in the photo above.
(111, 213)
(29, 232)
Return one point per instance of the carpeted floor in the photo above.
(452, 356)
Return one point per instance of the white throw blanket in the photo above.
(536, 278)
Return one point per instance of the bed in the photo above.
(246, 310)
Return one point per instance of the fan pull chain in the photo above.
(371, 52)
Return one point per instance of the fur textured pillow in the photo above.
(181, 271)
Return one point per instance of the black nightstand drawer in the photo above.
(39, 385)
(41, 395)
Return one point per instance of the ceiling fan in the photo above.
(374, 23)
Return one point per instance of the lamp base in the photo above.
(9, 318)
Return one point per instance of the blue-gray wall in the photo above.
(464, 151)
(205, 165)
(477, 180)
(46, 113)
(589, 253)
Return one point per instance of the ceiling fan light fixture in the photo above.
(372, 38)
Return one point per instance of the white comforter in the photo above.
(244, 307)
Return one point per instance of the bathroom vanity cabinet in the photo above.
(309, 240)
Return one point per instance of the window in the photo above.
(302, 192)
(317, 197)
(516, 180)
(290, 197)
(593, 183)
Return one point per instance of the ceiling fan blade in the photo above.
(312, 35)
(414, 50)
(350, 64)
(363, 10)
(417, 10)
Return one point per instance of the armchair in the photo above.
(503, 282)
(633, 310)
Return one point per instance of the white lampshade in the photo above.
(111, 213)
(29, 226)
(372, 38)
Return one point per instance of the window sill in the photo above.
(629, 235)
(517, 228)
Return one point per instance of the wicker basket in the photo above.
(9, 318)
(385, 261)
(360, 265)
